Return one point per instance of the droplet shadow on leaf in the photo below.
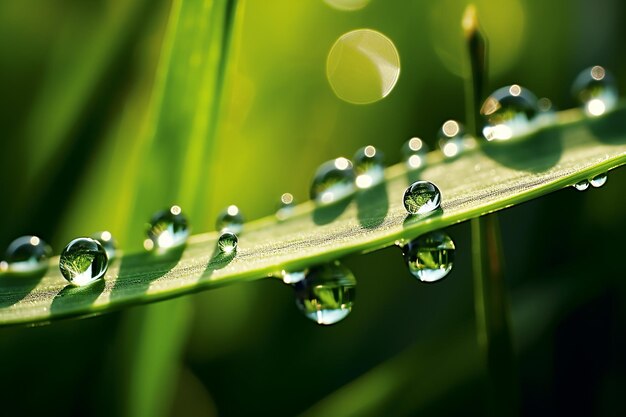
(218, 261)
(411, 219)
(133, 270)
(414, 175)
(372, 205)
(71, 297)
(328, 213)
(535, 153)
(609, 128)
(15, 286)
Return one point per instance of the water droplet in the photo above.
(326, 294)
(347, 5)
(596, 90)
(168, 229)
(368, 167)
(227, 243)
(27, 254)
(582, 185)
(108, 243)
(285, 206)
(363, 66)
(452, 138)
(509, 112)
(230, 219)
(430, 256)
(422, 197)
(333, 181)
(83, 261)
(598, 180)
(291, 277)
(414, 153)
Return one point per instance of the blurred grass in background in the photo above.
(96, 136)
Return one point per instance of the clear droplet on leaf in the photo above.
(27, 254)
(598, 180)
(108, 243)
(582, 185)
(452, 138)
(333, 181)
(326, 294)
(429, 257)
(414, 153)
(368, 167)
(227, 243)
(509, 112)
(168, 229)
(230, 219)
(422, 197)
(83, 261)
(596, 90)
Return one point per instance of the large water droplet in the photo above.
(168, 229)
(347, 5)
(582, 185)
(285, 206)
(27, 254)
(333, 181)
(509, 112)
(326, 294)
(368, 167)
(363, 66)
(429, 257)
(452, 138)
(108, 243)
(230, 219)
(83, 261)
(596, 90)
(598, 180)
(227, 243)
(422, 197)
(414, 153)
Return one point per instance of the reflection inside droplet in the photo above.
(363, 66)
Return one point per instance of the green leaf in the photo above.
(483, 180)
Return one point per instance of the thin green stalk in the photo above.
(490, 296)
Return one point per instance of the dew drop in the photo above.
(227, 243)
(27, 254)
(596, 90)
(285, 206)
(509, 112)
(230, 220)
(368, 167)
(108, 243)
(452, 138)
(168, 229)
(598, 180)
(582, 185)
(414, 153)
(326, 293)
(83, 261)
(333, 181)
(363, 66)
(429, 257)
(422, 197)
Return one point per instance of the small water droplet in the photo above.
(326, 294)
(422, 197)
(596, 90)
(230, 219)
(582, 185)
(598, 180)
(363, 66)
(285, 206)
(83, 261)
(168, 229)
(368, 167)
(430, 257)
(27, 254)
(414, 153)
(509, 112)
(291, 277)
(452, 138)
(227, 243)
(333, 181)
(108, 243)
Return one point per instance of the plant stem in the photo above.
(490, 297)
